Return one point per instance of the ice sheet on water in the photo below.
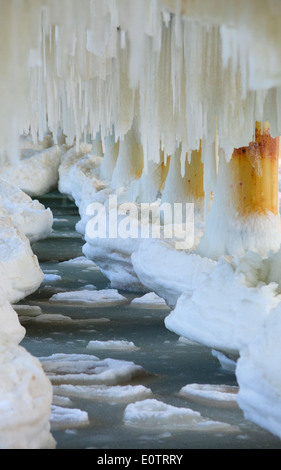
(51, 277)
(64, 418)
(112, 345)
(152, 413)
(220, 395)
(84, 369)
(149, 300)
(99, 298)
(31, 311)
(37, 316)
(111, 394)
(80, 261)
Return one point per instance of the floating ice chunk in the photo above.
(65, 418)
(51, 277)
(80, 261)
(84, 369)
(149, 300)
(155, 414)
(54, 318)
(88, 287)
(113, 345)
(114, 394)
(28, 310)
(221, 395)
(61, 400)
(97, 298)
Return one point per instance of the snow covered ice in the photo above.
(152, 103)
(97, 298)
(156, 414)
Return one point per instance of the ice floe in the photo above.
(67, 418)
(220, 395)
(103, 393)
(51, 277)
(98, 298)
(119, 345)
(149, 300)
(83, 369)
(157, 415)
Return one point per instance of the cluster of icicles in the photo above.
(84, 67)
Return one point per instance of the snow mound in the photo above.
(245, 299)
(20, 273)
(167, 271)
(259, 378)
(37, 174)
(28, 216)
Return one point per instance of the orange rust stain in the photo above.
(195, 175)
(254, 173)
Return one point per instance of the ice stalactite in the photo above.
(111, 152)
(129, 165)
(186, 186)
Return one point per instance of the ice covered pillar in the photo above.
(129, 164)
(244, 215)
(254, 171)
(187, 186)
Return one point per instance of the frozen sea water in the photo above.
(96, 389)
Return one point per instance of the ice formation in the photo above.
(112, 345)
(85, 369)
(211, 394)
(152, 413)
(156, 101)
(96, 298)
(27, 215)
